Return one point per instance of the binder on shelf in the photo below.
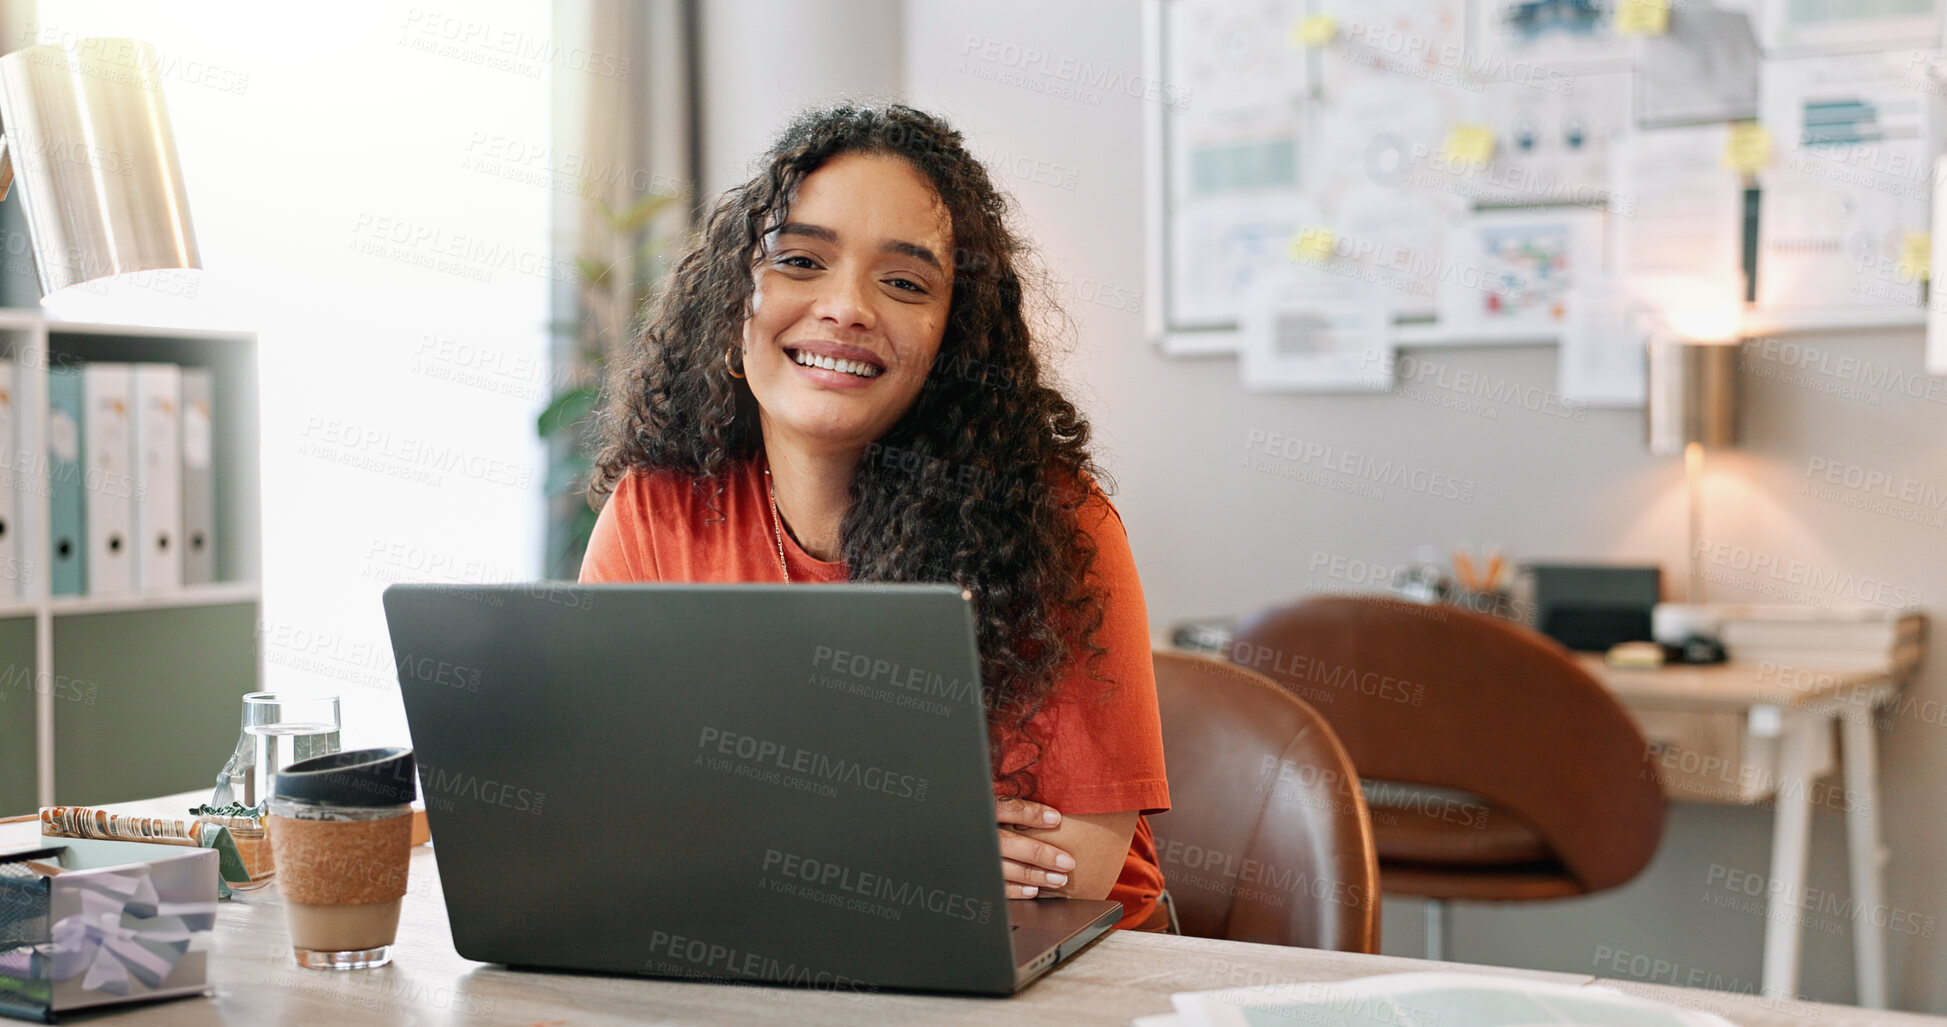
(199, 481)
(157, 411)
(67, 542)
(12, 567)
(108, 484)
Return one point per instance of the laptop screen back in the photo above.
(780, 783)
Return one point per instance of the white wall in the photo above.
(347, 170)
(763, 59)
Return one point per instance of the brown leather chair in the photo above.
(1496, 768)
(1267, 837)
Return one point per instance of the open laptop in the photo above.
(748, 782)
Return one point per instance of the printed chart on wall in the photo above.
(1310, 330)
(1521, 38)
(1376, 190)
(1424, 40)
(1849, 184)
(1811, 26)
(1510, 273)
(1551, 147)
(1233, 158)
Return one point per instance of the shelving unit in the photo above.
(135, 694)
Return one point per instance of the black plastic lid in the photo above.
(361, 777)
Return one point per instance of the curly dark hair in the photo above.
(979, 482)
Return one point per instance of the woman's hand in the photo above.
(1029, 864)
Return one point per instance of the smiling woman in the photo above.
(849, 289)
(838, 382)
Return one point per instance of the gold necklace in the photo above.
(777, 526)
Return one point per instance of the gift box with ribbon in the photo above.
(96, 934)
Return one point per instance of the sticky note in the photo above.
(1468, 143)
(1316, 30)
(1643, 18)
(1749, 147)
(1916, 255)
(1312, 245)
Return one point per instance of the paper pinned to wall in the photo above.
(1508, 273)
(1849, 181)
(1309, 330)
(1549, 147)
(1234, 154)
(1705, 68)
(1218, 255)
(1937, 300)
(1371, 153)
(1827, 245)
(1605, 345)
(1380, 129)
(1232, 55)
(1421, 40)
(1679, 210)
(1398, 241)
(1235, 177)
(1515, 36)
(1816, 26)
(1676, 244)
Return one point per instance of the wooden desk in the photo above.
(1123, 976)
(1759, 732)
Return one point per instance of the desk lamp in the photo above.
(1693, 401)
(87, 138)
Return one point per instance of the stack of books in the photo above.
(1854, 637)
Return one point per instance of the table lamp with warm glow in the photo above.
(1692, 404)
(88, 143)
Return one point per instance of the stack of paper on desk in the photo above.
(1424, 1000)
(1855, 636)
(1891, 642)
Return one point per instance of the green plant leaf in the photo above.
(592, 272)
(611, 312)
(643, 211)
(566, 410)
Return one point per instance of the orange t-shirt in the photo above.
(1097, 756)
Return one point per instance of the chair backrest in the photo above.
(1267, 838)
(1436, 695)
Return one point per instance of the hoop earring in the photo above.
(728, 366)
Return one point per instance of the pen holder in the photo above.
(1494, 604)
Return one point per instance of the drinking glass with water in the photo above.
(279, 729)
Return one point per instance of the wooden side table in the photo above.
(1749, 732)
